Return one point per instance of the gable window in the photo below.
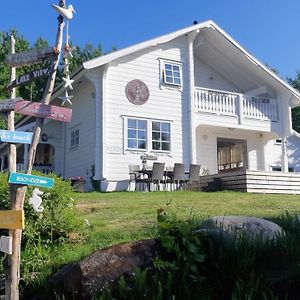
(136, 134)
(171, 73)
(74, 138)
(160, 136)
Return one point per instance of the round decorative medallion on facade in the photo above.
(137, 92)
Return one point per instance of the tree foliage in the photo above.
(296, 111)
(34, 91)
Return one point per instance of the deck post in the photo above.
(284, 156)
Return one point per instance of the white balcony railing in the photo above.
(234, 104)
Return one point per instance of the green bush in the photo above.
(55, 222)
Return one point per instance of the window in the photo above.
(278, 141)
(147, 135)
(172, 73)
(160, 136)
(75, 138)
(137, 134)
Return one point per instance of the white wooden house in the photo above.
(191, 96)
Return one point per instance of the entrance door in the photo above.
(232, 154)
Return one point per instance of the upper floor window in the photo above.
(137, 134)
(160, 136)
(171, 72)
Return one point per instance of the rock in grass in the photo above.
(85, 279)
(249, 226)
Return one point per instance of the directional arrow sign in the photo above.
(28, 58)
(9, 104)
(28, 179)
(28, 77)
(12, 219)
(16, 137)
(41, 110)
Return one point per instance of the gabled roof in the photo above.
(102, 60)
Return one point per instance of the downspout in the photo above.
(191, 95)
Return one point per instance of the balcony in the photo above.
(236, 105)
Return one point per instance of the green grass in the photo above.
(117, 217)
(126, 216)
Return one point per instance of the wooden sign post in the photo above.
(9, 104)
(28, 58)
(45, 111)
(28, 179)
(12, 219)
(26, 78)
(18, 192)
(16, 137)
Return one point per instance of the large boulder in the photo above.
(85, 279)
(250, 226)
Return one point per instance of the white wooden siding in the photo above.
(78, 162)
(164, 104)
(207, 77)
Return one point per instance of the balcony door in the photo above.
(232, 154)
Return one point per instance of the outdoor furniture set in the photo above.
(157, 177)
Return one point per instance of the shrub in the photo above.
(55, 222)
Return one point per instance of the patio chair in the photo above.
(156, 177)
(177, 177)
(134, 177)
(194, 177)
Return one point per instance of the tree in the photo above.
(34, 91)
(296, 111)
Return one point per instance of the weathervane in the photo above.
(67, 13)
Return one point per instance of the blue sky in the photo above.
(268, 29)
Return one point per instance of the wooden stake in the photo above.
(18, 194)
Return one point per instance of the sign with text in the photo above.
(28, 58)
(9, 104)
(17, 137)
(28, 179)
(26, 78)
(41, 110)
(12, 219)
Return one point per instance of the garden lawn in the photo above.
(124, 216)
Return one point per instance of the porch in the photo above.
(44, 159)
(240, 106)
(253, 182)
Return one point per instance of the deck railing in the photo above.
(43, 168)
(234, 104)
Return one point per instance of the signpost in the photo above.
(16, 137)
(28, 179)
(28, 77)
(41, 110)
(9, 104)
(28, 58)
(12, 219)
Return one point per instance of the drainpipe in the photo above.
(191, 94)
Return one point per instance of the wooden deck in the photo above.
(253, 182)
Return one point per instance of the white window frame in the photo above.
(278, 141)
(160, 132)
(163, 73)
(127, 138)
(149, 135)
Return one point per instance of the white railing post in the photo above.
(240, 108)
